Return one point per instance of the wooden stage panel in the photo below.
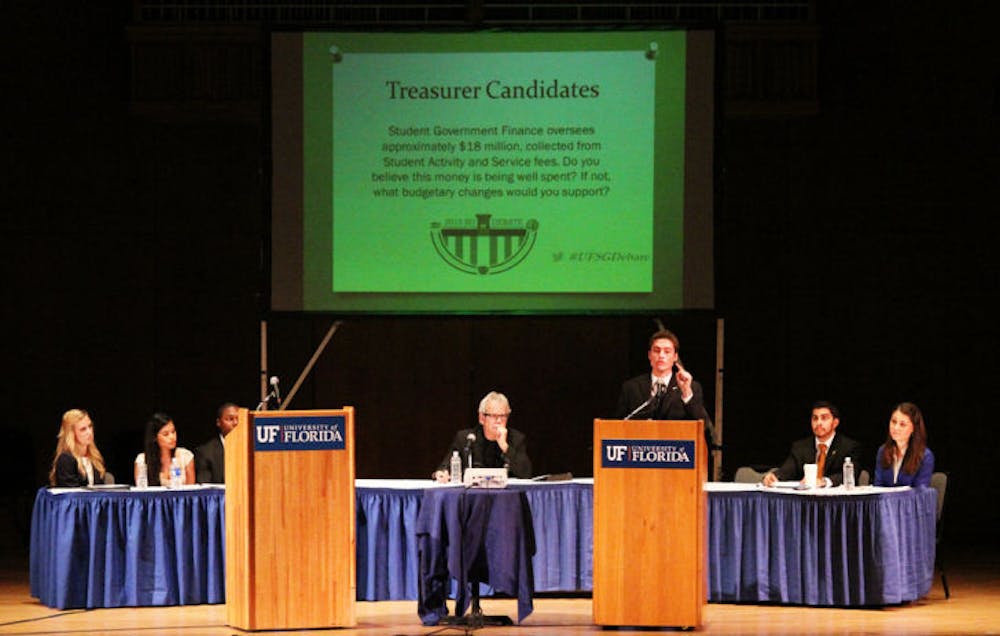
(974, 608)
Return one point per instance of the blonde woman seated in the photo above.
(77, 461)
(160, 448)
(904, 459)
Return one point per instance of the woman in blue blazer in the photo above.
(904, 459)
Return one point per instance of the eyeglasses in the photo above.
(497, 416)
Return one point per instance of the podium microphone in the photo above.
(274, 389)
(660, 390)
(470, 439)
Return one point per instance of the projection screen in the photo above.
(465, 173)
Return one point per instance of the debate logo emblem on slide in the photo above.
(484, 245)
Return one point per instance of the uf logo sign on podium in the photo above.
(299, 433)
(651, 453)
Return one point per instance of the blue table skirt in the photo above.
(114, 549)
(387, 557)
(162, 547)
(111, 549)
(473, 535)
(386, 543)
(848, 550)
(877, 547)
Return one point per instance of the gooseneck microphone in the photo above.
(470, 439)
(660, 390)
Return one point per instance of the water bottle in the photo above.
(176, 474)
(141, 473)
(848, 474)
(456, 468)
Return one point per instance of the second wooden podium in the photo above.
(650, 514)
(290, 544)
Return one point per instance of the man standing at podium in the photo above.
(491, 444)
(668, 392)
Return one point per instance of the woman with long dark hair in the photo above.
(159, 450)
(904, 459)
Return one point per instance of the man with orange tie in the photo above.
(825, 448)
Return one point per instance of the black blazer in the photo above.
(486, 454)
(68, 473)
(210, 462)
(803, 451)
(670, 406)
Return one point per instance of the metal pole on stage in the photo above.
(720, 345)
(309, 365)
(263, 363)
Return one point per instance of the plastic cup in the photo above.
(810, 470)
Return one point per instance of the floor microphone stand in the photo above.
(475, 619)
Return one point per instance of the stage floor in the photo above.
(974, 608)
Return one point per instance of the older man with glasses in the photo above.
(491, 444)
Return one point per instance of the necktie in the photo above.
(820, 461)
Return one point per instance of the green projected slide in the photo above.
(474, 175)
(480, 172)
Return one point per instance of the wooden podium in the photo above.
(290, 545)
(650, 520)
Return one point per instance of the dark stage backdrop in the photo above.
(414, 382)
(855, 262)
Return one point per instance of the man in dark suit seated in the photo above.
(825, 446)
(210, 457)
(668, 392)
(494, 446)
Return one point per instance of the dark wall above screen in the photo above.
(492, 172)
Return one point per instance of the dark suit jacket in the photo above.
(210, 462)
(803, 452)
(486, 454)
(668, 407)
(68, 473)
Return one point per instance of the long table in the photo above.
(387, 556)
(872, 547)
(128, 548)
(167, 547)
(829, 547)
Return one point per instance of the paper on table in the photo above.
(791, 484)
